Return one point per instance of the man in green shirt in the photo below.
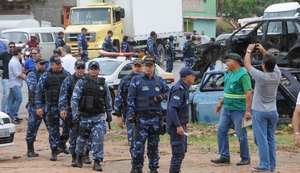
(237, 103)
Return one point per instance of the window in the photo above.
(213, 82)
(274, 28)
(47, 37)
(90, 16)
(127, 69)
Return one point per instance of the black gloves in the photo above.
(109, 118)
(159, 98)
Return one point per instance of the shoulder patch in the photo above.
(181, 87)
(176, 97)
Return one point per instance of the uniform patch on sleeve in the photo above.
(176, 97)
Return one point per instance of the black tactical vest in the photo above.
(53, 85)
(92, 101)
(73, 82)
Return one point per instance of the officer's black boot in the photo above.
(86, 158)
(136, 170)
(97, 166)
(30, 150)
(153, 170)
(63, 148)
(79, 163)
(73, 160)
(54, 155)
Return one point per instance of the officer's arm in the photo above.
(104, 45)
(165, 89)
(63, 104)
(31, 81)
(76, 95)
(108, 100)
(79, 38)
(175, 102)
(119, 99)
(132, 91)
(40, 90)
(150, 46)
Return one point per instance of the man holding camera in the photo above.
(264, 110)
(145, 94)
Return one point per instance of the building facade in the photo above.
(200, 15)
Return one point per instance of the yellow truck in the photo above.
(134, 18)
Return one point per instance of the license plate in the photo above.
(4, 133)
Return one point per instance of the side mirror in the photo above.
(122, 74)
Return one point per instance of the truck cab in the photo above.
(98, 18)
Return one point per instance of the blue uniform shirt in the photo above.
(171, 51)
(59, 42)
(77, 92)
(125, 47)
(82, 42)
(107, 45)
(188, 49)
(178, 105)
(141, 84)
(121, 97)
(151, 47)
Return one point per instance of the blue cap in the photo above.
(79, 63)
(185, 71)
(94, 64)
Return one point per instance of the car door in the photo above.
(204, 100)
(47, 44)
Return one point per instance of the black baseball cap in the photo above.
(138, 61)
(79, 63)
(94, 64)
(185, 71)
(149, 60)
(40, 60)
(55, 59)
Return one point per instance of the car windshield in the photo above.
(90, 16)
(17, 37)
(108, 67)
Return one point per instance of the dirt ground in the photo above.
(117, 159)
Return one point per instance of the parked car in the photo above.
(7, 130)
(209, 92)
(114, 69)
(45, 35)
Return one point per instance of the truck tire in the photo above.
(161, 50)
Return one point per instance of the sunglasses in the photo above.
(80, 67)
(57, 63)
(34, 53)
(42, 63)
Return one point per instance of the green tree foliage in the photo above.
(244, 8)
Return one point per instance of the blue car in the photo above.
(210, 90)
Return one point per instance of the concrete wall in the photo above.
(51, 11)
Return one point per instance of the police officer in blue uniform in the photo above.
(121, 98)
(90, 100)
(170, 54)
(59, 42)
(64, 105)
(145, 94)
(107, 44)
(34, 121)
(189, 52)
(152, 45)
(178, 116)
(125, 47)
(83, 45)
(50, 83)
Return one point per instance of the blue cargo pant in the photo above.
(52, 118)
(33, 123)
(179, 148)
(169, 63)
(145, 129)
(84, 56)
(93, 131)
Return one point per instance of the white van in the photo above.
(45, 35)
(282, 10)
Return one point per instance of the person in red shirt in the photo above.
(33, 42)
